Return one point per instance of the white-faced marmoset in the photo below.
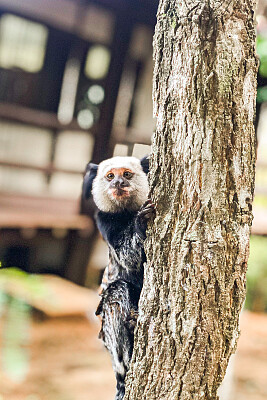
(119, 187)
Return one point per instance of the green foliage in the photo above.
(256, 299)
(262, 94)
(262, 52)
(15, 315)
(29, 283)
(15, 339)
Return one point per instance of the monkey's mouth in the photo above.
(119, 193)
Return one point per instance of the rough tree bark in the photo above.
(202, 182)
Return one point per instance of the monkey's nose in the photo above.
(120, 183)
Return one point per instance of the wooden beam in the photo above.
(121, 41)
(30, 116)
(49, 169)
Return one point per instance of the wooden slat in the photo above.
(40, 204)
(49, 169)
(30, 116)
(17, 220)
(21, 211)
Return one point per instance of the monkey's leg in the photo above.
(118, 309)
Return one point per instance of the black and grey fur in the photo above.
(122, 222)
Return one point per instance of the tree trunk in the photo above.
(202, 182)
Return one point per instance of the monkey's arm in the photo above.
(129, 249)
(125, 235)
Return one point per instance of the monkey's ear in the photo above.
(89, 176)
(145, 164)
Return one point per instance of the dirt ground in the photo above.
(68, 362)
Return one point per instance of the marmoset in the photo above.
(119, 187)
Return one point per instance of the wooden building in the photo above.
(75, 85)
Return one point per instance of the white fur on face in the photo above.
(138, 189)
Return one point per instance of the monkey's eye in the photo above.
(128, 174)
(110, 176)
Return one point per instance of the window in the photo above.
(26, 144)
(73, 150)
(65, 185)
(91, 88)
(97, 62)
(22, 181)
(22, 43)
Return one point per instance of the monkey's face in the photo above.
(120, 184)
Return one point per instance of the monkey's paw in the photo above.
(146, 212)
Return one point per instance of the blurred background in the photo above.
(75, 86)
